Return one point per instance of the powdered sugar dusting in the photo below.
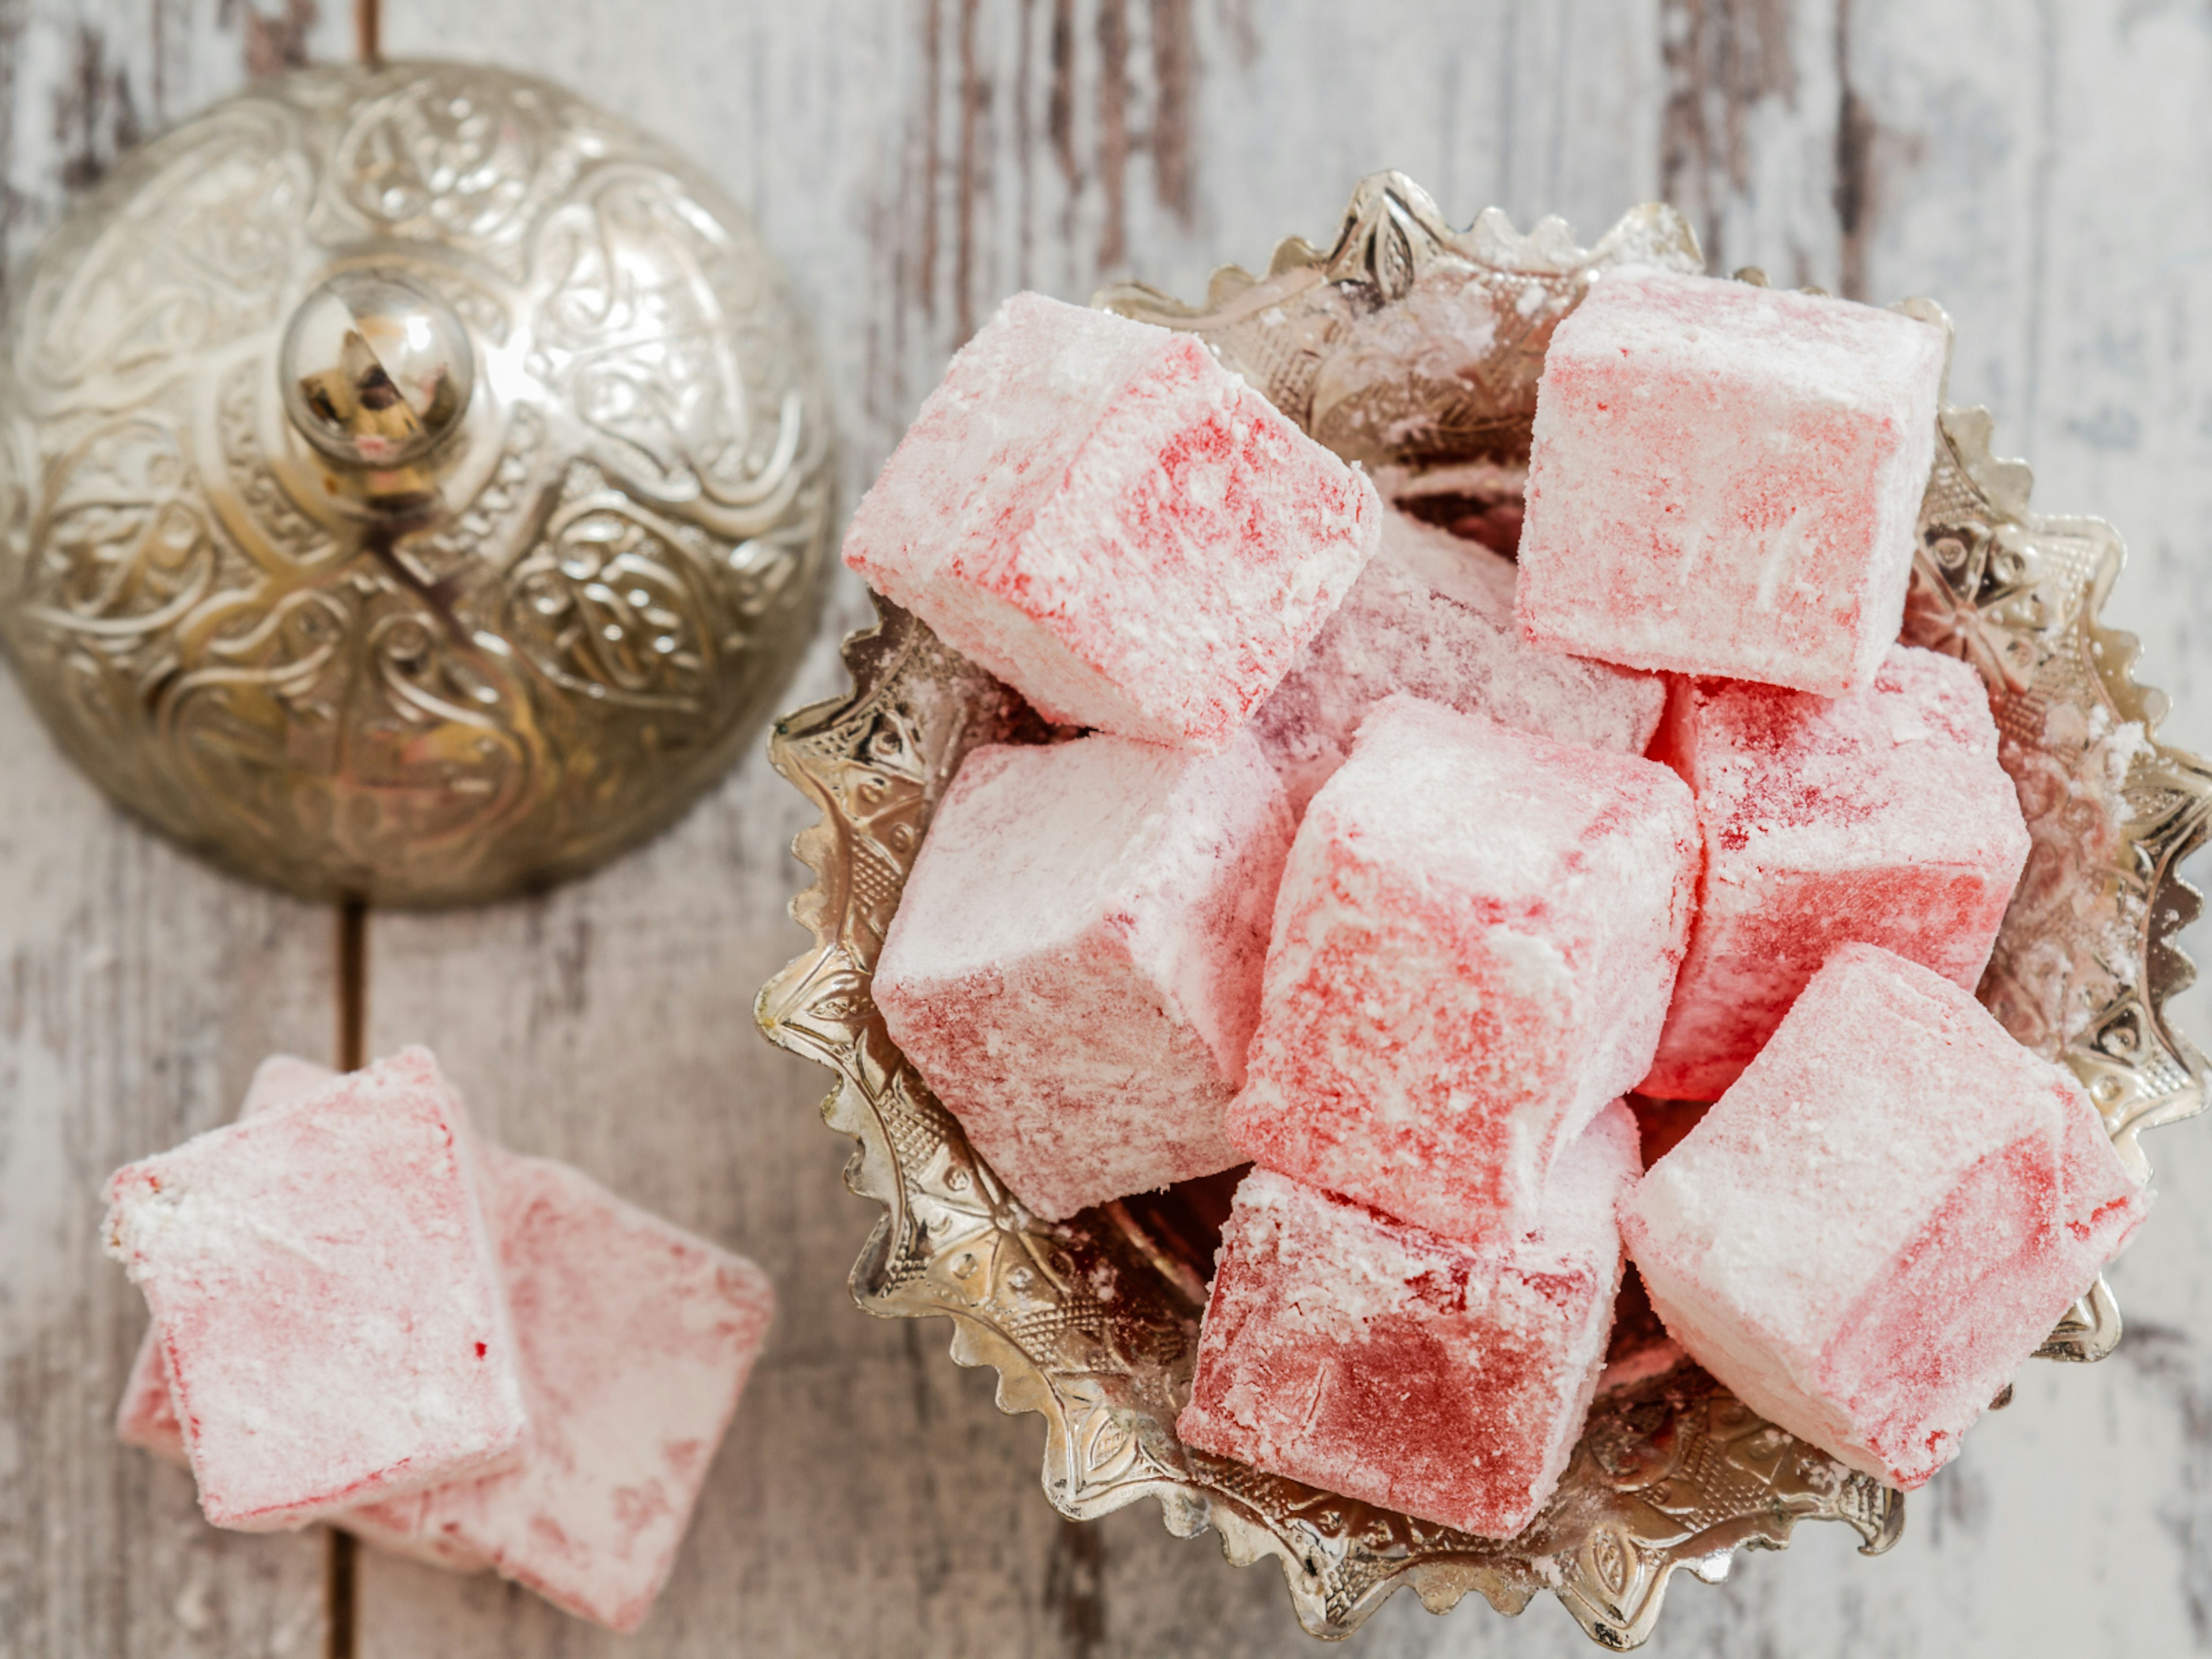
(1474, 945)
(1376, 1359)
(328, 1308)
(1107, 519)
(1863, 1270)
(1432, 615)
(1882, 817)
(1725, 480)
(1074, 965)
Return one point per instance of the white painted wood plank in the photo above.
(139, 990)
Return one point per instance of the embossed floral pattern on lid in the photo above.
(636, 504)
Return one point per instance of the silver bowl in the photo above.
(1093, 1323)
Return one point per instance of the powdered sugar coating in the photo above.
(1376, 1359)
(147, 1419)
(634, 1338)
(1107, 519)
(326, 1299)
(1074, 967)
(1475, 938)
(1882, 817)
(1885, 1216)
(1432, 615)
(1725, 480)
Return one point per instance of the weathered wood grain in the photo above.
(138, 991)
(2037, 167)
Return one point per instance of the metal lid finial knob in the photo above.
(375, 371)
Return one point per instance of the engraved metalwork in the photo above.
(479, 573)
(1093, 1323)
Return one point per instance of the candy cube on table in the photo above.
(1107, 519)
(634, 1339)
(147, 1418)
(330, 1311)
(1726, 480)
(1884, 1217)
(1432, 615)
(1074, 967)
(1474, 946)
(1880, 818)
(1373, 1358)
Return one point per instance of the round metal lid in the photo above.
(418, 483)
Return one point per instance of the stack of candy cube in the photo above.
(366, 1314)
(1391, 865)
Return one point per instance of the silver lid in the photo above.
(418, 483)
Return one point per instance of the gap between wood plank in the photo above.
(340, 1603)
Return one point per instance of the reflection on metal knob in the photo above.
(375, 371)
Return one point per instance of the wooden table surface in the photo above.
(2040, 167)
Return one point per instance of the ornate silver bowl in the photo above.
(416, 482)
(1093, 1323)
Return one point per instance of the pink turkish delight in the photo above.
(1725, 480)
(1880, 818)
(637, 1340)
(1432, 615)
(1376, 1359)
(1476, 935)
(1107, 519)
(1074, 967)
(1882, 1218)
(328, 1305)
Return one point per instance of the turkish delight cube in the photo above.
(633, 1340)
(1107, 519)
(1868, 1234)
(1882, 817)
(1474, 945)
(1074, 967)
(636, 1339)
(328, 1306)
(1726, 480)
(147, 1418)
(1373, 1359)
(1432, 615)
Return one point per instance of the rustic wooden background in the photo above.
(2039, 166)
